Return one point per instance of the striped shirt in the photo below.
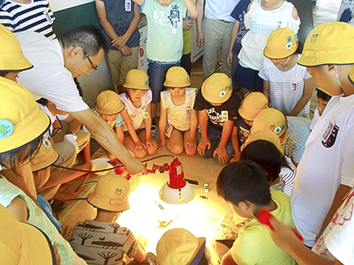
(35, 16)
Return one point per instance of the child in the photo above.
(217, 107)
(261, 19)
(27, 15)
(103, 238)
(325, 172)
(178, 114)
(287, 85)
(322, 98)
(108, 106)
(137, 120)
(179, 246)
(165, 41)
(248, 110)
(120, 20)
(244, 186)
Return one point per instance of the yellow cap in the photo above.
(22, 243)
(45, 157)
(21, 120)
(12, 58)
(217, 88)
(176, 76)
(252, 104)
(264, 135)
(329, 43)
(178, 246)
(351, 75)
(270, 119)
(281, 43)
(108, 102)
(137, 79)
(111, 193)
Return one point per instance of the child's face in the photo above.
(324, 77)
(270, 4)
(177, 92)
(164, 2)
(250, 123)
(109, 117)
(135, 94)
(216, 104)
(321, 105)
(279, 62)
(12, 76)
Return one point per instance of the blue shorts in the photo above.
(248, 78)
(156, 72)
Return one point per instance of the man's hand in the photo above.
(200, 38)
(134, 166)
(222, 154)
(204, 143)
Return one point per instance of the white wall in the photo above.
(57, 5)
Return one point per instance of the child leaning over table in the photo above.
(217, 107)
(103, 240)
(108, 106)
(178, 114)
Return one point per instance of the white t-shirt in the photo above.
(326, 163)
(286, 87)
(220, 9)
(137, 115)
(337, 239)
(261, 23)
(48, 78)
(179, 116)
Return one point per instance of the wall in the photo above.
(73, 13)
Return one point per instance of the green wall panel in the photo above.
(76, 16)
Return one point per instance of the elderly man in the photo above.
(56, 62)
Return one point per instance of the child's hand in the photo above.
(229, 58)
(204, 143)
(162, 143)
(125, 50)
(140, 148)
(191, 145)
(187, 24)
(222, 154)
(236, 157)
(118, 42)
(151, 143)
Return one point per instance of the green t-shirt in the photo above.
(254, 244)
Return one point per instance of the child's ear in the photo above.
(245, 206)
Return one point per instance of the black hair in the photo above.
(322, 95)
(13, 160)
(243, 181)
(42, 101)
(265, 154)
(88, 37)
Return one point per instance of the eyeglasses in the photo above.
(94, 67)
(56, 129)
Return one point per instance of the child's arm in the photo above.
(235, 144)
(192, 8)
(121, 40)
(102, 16)
(139, 146)
(221, 149)
(150, 141)
(232, 41)
(306, 96)
(192, 143)
(86, 151)
(266, 90)
(227, 259)
(139, 2)
(140, 254)
(119, 133)
(203, 123)
(200, 35)
(162, 126)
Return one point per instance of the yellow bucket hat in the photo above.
(179, 246)
(351, 75)
(12, 58)
(22, 243)
(111, 193)
(252, 104)
(137, 79)
(176, 76)
(217, 88)
(270, 119)
(108, 102)
(281, 43)
(21, 120)
(329, 43)
(264, 135)
(45, 157)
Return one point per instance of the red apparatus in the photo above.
(177, 180)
